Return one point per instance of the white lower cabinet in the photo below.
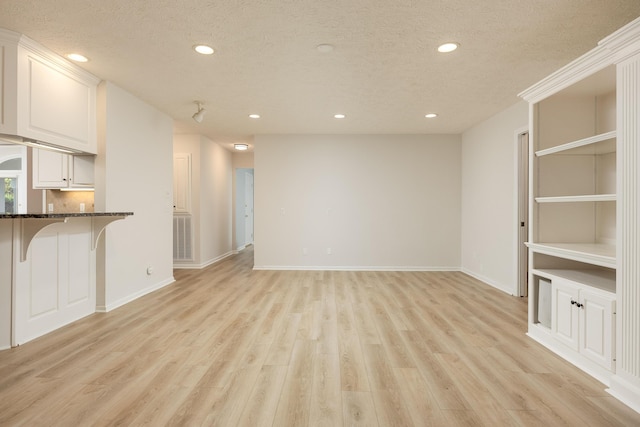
(597, 323)
(583, 320)
(55, 284)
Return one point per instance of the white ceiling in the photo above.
(384, 72)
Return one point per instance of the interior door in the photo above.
(523, 212)
(248, 207)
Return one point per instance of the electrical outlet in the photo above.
(328, 251)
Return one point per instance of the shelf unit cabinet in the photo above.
(584, 207)
(574, 172)
(572, 241)
(583, 320)
(582, 307)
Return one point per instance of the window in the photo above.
(8, 202)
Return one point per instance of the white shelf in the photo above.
(597, 144)
(600, 254)
(601, 279)
(573, 199)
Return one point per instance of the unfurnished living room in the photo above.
(296, 213)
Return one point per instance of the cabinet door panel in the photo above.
(60, 106)
(49, 169)
(81, 171)
(596, 318)
(564, 324)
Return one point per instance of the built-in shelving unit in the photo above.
(584, 210)
(572, 241)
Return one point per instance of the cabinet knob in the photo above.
(573, 302)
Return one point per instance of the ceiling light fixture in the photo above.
(199, 115)
(324, 48)
(203, 49)
(430, 115)
(339, 116)
(241, 147)
(254, 116)
(77, 57)
(448, 47)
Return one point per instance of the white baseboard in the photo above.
(203, 264)
(626, 392)
(134, 296)
(488, 281)
(352, 268)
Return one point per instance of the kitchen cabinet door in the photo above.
(50, 169)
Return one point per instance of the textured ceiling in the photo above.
(384, 72)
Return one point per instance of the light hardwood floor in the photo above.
(229, 346)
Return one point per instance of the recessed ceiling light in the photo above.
(254, 116)
(448, 47)
(339, 116)
(324, 48)
(241, 147)
(431, 115)
(77, 57)
(203, 49)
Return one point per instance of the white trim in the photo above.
(352, 268)
(132, 297)
(625, 391)
(64, 65)
(243, 247)
(591, 62)
(488, 281)
(204, 264)
(543, 337)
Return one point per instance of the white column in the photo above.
(626, 382)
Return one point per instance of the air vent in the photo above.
(182, 240)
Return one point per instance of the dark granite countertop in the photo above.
(63, 215)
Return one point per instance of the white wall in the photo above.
(211, 198)
(489, 189)
(133, 173)
(216, 196)
(378, 201)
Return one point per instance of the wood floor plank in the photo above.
(294, 405)
(326, 395)
(422, 405)
(263, 401)
(227, 345)
(353, 372)
(358, 409)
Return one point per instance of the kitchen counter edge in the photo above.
(64, 215)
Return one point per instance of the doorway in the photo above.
(244, 208)
(522, 232)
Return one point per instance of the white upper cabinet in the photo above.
(45, 97)
(56, 170)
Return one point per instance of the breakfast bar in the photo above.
(47, 271)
